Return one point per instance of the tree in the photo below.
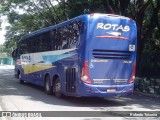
(27, 16)
(42, 13)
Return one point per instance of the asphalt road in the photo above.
(28, 97)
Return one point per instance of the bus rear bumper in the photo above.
(107, 91)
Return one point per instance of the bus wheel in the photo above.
(48, 88)
(57, 88)
(20, 79)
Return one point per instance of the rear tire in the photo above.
(20, 79)
(48, 88)
(57, 88)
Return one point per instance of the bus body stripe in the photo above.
(115, 37)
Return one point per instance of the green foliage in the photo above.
(26, 16)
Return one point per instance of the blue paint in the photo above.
(110, 63)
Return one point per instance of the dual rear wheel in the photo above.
(55, 88)
(49, 89)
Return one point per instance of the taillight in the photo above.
(132, 78)
(85, 73)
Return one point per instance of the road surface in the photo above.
(27, 97)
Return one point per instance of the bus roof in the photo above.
(84, 16)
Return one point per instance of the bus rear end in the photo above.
(110, 56)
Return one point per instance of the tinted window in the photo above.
(61, 38)
(66, 37)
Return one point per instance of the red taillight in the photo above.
(85, 73)
(132, 78)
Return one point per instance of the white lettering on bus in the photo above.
(113, 27)
(26, 58)
(107, 26)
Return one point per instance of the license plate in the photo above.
(111, 90)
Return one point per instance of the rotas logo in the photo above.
(113, 27)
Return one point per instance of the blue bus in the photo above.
(90, 55)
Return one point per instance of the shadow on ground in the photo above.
(10, 86)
